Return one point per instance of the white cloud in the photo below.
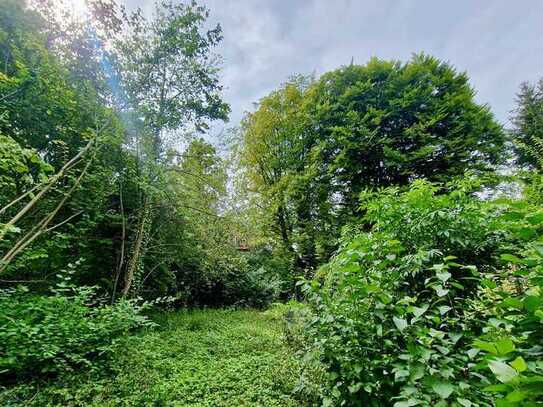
(498, 43)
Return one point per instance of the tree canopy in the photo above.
(315, 145)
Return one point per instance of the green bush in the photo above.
(399, 312)
(510, 349)
(435, 217)
(69, 329)
(294, 317)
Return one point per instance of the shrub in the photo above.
(382, 342)
(510, 349)
(48, 334)
(398, 314)
(447, 218)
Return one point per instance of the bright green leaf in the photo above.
(503, 372)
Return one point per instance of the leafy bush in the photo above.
(398, 316)
(47, 334)
(511, 350)
(425, 217)
(381, 341)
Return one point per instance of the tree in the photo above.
(387, 123)
(169, 77)
(275, 150)
(358, 127)
(60, 125)
(528, 125)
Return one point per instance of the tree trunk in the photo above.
(42, 226)
(46, 187)
(138, 247)
(123, 244)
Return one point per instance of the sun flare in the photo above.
(76, 8)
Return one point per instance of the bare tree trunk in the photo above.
(123, 242)
(139, 246)
(41, 227)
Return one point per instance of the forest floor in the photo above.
(194, 358)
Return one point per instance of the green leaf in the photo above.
(440, 291)
(444, 276)
(464, 402)
(486, 346)
(532, 303)
(538, 248)
(511, 302)
(535, 219)
(505, 346)
(526, 233)
(444, 389)
(443, 309)
(455, 337)
(503, 372)
(488, 283)
(519, 364)
(510, 258)
(400, 323)
(418, 311)
(516, 396)
(503, 403)
(513, 215)
(407, 403)
(496, 388)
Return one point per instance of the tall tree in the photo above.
(169, 75)
(528, 125)
(54, 119)
(371, 126)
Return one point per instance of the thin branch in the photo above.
(153, 269)
(163, 245)
(7, 95)
(5, 208)
(63, 222)
(41, 227)
(48, 185)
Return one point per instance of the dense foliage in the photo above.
(89, 172)
(425, 308)
(375, 195)
(199, 358)
(312, 146)
(528, 122)
(62, 332)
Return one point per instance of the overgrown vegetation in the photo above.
(401, 313)
(62, 332)
(198, 358)
(369, 205)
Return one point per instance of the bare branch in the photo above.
(63, 222)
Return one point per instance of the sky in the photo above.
(499, 43)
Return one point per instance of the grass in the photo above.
(195, 358)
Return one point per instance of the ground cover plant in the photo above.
(201, 358)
